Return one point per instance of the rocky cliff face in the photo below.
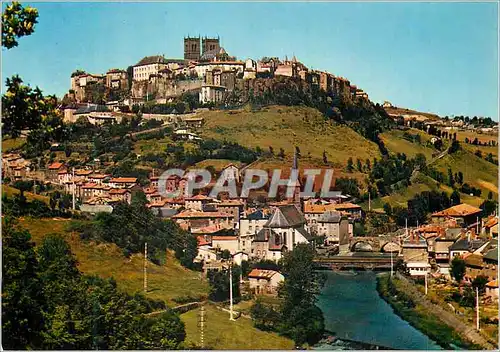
(164, 88)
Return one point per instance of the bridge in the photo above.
(357, 261)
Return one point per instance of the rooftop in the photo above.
(459, 210)
(262, 274)
(286, 216)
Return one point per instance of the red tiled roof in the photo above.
(458, 211)
(55, 166)
(262, 274)
(224, 238)
(83, 172)
(199, 197)
(123, 180)
(119, 191)
(202, 214)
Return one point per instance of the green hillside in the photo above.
(165, 282)
(396, 143)
(286, 127)
(477, 172)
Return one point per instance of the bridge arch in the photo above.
(362, 246)
(391, 247)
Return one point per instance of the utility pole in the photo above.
(73, 189)
(145, 267)
(391, 265)
(369, 201)
(406, 226)
(477, 226)
(477, 308)
(202, 327)
(230, 291)
(426, 282)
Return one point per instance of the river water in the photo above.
(353, 310)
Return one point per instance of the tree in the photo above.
(17, 22)
(265, 317)
(219, 284)
(301, 320)
(455, 198)
(458, 269)
(22, 304)
(281, 154)
(388, 209)
(480, 282)
(325, 157)
(350, 165)
(460, 177)
(451, 181)
(490, 195)
(22, 107)
(359, 165)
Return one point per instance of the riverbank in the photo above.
(427, 317)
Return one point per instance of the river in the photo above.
(353, 310)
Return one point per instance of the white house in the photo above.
(264, 281)
(331, 224)
(149, 65)
(222, 243)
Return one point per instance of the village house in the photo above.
(196, 202)
(222, 243)
(492, 289)
(230, 173)
(465, 213)
(53, 171)
(196, 219)
(91, 190)
(414, 251)
(264, 281)
(147, 66)
(332, 224)
(206, 253)
(97, 178)
(490, 227)
(229, 206)
(121, 194)
(249, 226)
(122, 182)
(117, 79)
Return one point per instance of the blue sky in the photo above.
(437, 57)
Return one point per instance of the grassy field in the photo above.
(217, 164)
(153, 145)
(461, 135)
(287, 127)
(421, 184)
(395, 143)
(11, 191)
(220, 333)
(477, 172)
(12, 143)
(105, 260)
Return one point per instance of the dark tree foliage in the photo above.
(301, 319)
(22, 306)
(219, 284)
(420, 206)
(457, 269)
(347, 185)
(17, 22)
(131, 226)
(48, 304)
